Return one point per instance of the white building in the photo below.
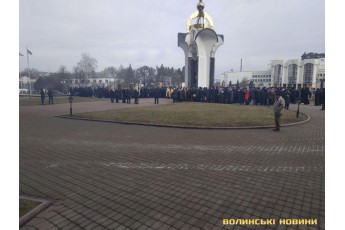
(298, 73)
(96, 82)
(309, 71)
(259, 78)
(26, 84)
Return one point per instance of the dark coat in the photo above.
(157, 93)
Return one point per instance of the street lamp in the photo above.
(145, 76)
(70, 98)
(297, 112)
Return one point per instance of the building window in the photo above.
(308, 73)
(106, 81)
(292, 74)
(277, 75)
(100, 81)
(94, 81)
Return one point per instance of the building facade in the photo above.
(26, 84)
(259, 78)
(307, 72)
(95, 82)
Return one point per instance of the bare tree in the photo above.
(145, 74)
(64, 77)
(62, 69)
(34, 73)
(86, 66)
(244, 82)
(109, 72)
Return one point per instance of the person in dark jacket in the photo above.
(292, 95)
(124, 95)
(297, 96)
(305, 93)
(43, 96)
(128, 96)
(157, 95)
(112, 95)
(231, 95)
(287, 99)
(317, 97)
(174, 95)
(117, 95)
(240, 96)
(323, 99)
(51, 96)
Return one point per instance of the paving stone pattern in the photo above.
(114, 176)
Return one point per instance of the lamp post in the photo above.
(114, 75)
(145, 76)
(70, 98)
(297, 112)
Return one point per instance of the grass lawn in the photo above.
(196, 114)
(26, 206)
(36, 100)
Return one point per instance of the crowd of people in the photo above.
(226, 95)
(243, 95)
(120, 94)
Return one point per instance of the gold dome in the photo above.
(203, 20)
(200, 5)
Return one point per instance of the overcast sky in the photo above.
(144, 32)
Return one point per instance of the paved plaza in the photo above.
(102, 175)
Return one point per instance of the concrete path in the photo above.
(114, 176)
